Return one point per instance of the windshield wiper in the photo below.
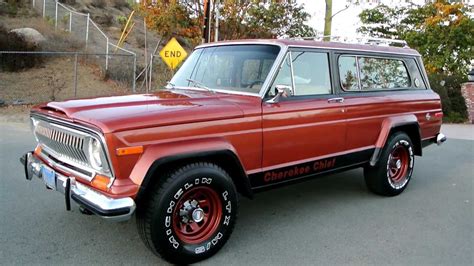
(170, 85)
(199, 85)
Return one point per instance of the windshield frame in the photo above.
(268, 79)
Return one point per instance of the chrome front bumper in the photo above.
(119, 209)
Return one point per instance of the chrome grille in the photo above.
(61, 141)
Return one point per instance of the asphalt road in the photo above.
(328, 221)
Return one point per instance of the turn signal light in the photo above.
(38, 149)
(101, 182)
(129, 150)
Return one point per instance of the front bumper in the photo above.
(114, 209)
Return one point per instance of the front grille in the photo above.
(62, 142)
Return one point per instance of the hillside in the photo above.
(54, 76)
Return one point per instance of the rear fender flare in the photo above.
(389, 125)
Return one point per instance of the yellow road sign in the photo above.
(173, 53)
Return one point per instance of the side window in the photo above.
(348, 73)
(310, 74)
(374, 73)
(416, 78)
(283, 77)
(380, 73)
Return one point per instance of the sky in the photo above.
(346, 22)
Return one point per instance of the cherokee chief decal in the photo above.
(298, 170)
(308, 169)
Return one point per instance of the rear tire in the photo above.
(392, 173)
(190, 215)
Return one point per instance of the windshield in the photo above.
(241, 68)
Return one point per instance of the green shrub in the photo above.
(8, 9)
(454, 117)
(449, 90)
(122, 20)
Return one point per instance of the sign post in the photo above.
(173, 53)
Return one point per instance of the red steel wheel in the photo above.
(392, 173)
(197, 215)
(397, 166)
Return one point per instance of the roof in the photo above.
(321, 44)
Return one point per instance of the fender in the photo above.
(388, 125)
(156, 156)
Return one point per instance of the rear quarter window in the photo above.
(369, 73)
(381, 73)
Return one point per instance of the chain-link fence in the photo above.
(95, 41)
(35, 77)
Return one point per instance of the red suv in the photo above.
(238, 117)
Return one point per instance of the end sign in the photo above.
(172, 54)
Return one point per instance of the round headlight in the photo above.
(95, 151)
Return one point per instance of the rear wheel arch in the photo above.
(225, 159)
(412, 129)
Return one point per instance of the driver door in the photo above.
(306, 126)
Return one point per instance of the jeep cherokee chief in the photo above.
(238, 117)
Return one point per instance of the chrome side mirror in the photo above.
(282, 91)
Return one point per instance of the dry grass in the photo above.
(98, 3)
(55, 40)
(55, 81)
(119, 4)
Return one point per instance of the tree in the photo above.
(442, 32)
(261, 20)
(328, 16)
(238, 19)
(172, 18)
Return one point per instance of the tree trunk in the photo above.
(328, 20)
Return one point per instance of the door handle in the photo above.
(336, 100)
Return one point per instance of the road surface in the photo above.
(325, 221)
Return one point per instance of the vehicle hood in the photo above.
(167, 107)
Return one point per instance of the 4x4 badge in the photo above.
(428, 116)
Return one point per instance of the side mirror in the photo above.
(281, 91)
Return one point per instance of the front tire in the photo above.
(392, 173)
(190, 215)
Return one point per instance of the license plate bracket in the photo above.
(49, 177)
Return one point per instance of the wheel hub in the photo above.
(398, 164)
(187, 212)
(198, 215)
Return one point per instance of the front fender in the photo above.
(157, 156)
(156, 152)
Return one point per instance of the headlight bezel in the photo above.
(97, 155)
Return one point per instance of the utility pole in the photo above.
(328, 20)
(216, 26)
(206, 31)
